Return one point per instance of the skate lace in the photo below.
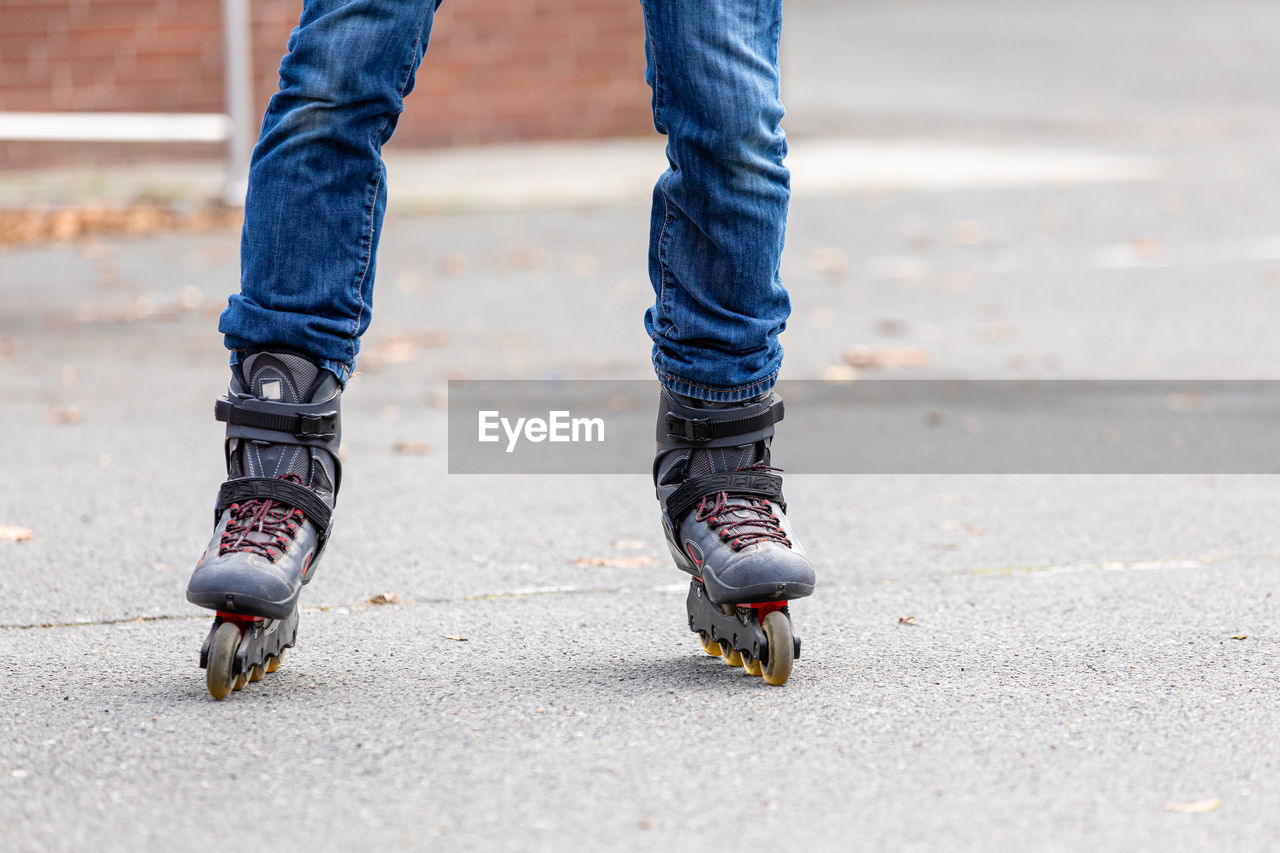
(746, 521)
(263, 527)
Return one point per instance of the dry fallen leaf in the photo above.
(1148, 248)
(1240, 637)
(908, 620)
(384, 598)
(524, 258)
(402, 348)
(890, 328)
(628, 545)
(15, 534)
(453, 264)
(26, 226)
(66, 415)
(1187, 403)
(889, 357)
(412, 448)
(839, 373)
(966, 232)
(1193, 807)
(618, 562)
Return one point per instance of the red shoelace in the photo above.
(744, 521)
(263, 527)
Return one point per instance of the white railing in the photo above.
(235, 127)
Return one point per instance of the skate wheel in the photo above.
(751, 664)
(273, 662)
(222, 654)
(777, 630)
(256, 672)
(241, 680)
(733, 657)
(709, 646)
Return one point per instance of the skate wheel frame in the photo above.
(746, 636)
(709, 645)
(240, 650)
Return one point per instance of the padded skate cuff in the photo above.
(288, 493)
(321, 425)
(700, 430)
(691, 492)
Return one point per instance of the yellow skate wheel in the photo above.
(256, 673)
(241, 680)
(751, 664)
(732, 656)
(777, 630)
(222, 655)
(273, 662)
(709, 646)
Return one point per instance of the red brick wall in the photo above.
(496, 71)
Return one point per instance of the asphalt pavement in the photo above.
(1029, 662)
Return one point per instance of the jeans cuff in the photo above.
(713, 393)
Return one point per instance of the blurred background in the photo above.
(989, 189)
(500, 70)
(155, 103)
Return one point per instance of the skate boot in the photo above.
(273, 514)
(724, 516)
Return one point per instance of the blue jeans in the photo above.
(317, 188)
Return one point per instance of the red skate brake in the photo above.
(239, 619)
(764, 608)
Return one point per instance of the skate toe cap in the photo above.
(243, 583)
(764, 572)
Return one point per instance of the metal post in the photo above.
(238, 76)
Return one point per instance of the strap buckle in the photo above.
(317, 426)
(696, 430)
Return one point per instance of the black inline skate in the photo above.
(724, 517)
(273, 514)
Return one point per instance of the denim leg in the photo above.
(720, 209)
(317, 185)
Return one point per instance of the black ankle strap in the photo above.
(266, 488)
(322, 425)
(701, 430)
(250, 418)
(758, 484)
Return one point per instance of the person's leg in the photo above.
(719, 216)
(317, 185)
(317, 192)
(720, 210)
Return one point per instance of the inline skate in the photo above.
(725, 521)
(273, 514)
